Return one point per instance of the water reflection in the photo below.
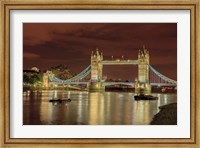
(108, 108)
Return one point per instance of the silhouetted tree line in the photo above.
(62, 71)
(32, 79)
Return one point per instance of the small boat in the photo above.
(60, 100)
(145, 97)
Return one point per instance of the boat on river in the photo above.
(60, 100)
(145, 97)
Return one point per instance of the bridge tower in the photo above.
(45, 80)
(95, 83)
(142, 85)
(46, 77)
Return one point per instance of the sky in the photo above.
(50, 44)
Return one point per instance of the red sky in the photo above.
(49, 44)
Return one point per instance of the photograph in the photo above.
(99, 73)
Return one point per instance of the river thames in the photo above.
(85, 108)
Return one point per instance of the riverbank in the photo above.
(132, 89)
(166, 116)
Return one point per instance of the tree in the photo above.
(36, 78)
(26, 79)
(32, 79)
(62, 71)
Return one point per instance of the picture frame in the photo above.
(7, 6)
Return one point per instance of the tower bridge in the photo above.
(147, 75)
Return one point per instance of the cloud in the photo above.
(30, 55)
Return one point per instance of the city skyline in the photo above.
(46, 45)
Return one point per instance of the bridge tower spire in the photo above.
(143, 71)
(95, 83)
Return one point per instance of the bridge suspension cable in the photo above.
(156, 77)
(78, 77)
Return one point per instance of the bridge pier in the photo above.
(95, 87)
(142, 88)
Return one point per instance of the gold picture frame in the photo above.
(7, 5)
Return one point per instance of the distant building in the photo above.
(32, 71)
(35, 69)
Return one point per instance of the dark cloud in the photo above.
(30, 55)
(49, 44)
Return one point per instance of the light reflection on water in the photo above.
(107, 108)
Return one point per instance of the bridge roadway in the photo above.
(119, 62)
(114, 83)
